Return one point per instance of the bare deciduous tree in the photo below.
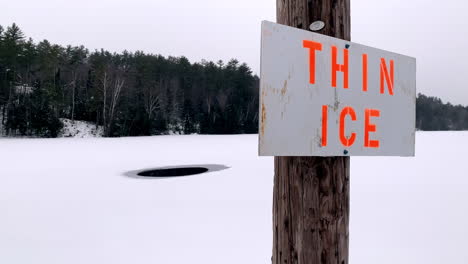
(152, 98)
(117, 88)
(105, 83)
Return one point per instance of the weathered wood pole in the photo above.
(311, 194)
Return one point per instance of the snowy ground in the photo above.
(79, 129)
(76, 129)
(71, 201)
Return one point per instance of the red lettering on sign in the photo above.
(389, 78)
(364, 72)
(324, 125)
(368, 127)
(347, 141)
(312, 46)
(340, 67)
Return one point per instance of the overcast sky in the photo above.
(434, 33)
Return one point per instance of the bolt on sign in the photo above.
(323, 96)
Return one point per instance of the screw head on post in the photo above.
(317, 25)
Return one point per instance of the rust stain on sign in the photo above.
(262, 128)
(285, 88)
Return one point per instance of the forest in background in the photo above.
(139, 94)
(128, 94)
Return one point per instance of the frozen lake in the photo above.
(71, 201)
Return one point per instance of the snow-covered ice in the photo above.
(70, 201)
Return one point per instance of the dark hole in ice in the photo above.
(173, 172)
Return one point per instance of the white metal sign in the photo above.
(322, 96)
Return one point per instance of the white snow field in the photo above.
(70, 201)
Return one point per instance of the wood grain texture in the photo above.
(311, 194)
(301, 13)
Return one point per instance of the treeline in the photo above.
(432, 114)
(128, 94)
(136, 94)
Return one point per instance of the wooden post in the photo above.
(311, 194)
